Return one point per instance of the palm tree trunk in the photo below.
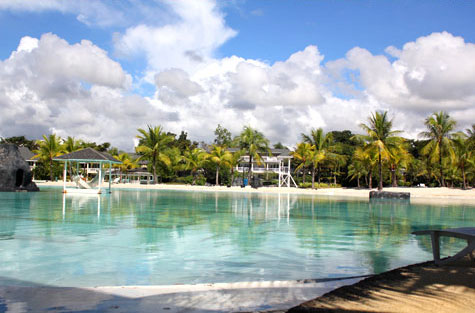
(318, 174)
(370, 184)
(217, 175)
(464, 179)
(154, 170)
(393, 176)
(303, 179)
(232, 176)
(313, 176)
(51, 169)
(441, 170)
(249, 170)
(358, 182)
(380, 168)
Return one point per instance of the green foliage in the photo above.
(253, 143)
(222, 136)
(20, 141)
(439, 132)
(380, 139)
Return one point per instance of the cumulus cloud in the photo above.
(435, 72)
(79, 90)
(76, 90)
(197, 30)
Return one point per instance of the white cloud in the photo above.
(197, 30)
(89, 12)
(435, 72)
(76, 90)
(80, 91)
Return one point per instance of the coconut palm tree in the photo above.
(71, 145)
(323, 146)
(303, 154)
(152, 143)
(194, 160)
(439, 132)
(381, 138)
(368, 161)
(357, 170)
(220, 156)
(463, 153)
(234, 161)
(399, 159)
(315, 159)
(253, 143)
(49, 148)
(126, 163)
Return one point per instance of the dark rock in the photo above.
(15, 174)
(389, 195)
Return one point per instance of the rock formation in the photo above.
(15, 174)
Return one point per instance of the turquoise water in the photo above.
(173, 237)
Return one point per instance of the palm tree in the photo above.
(126, 163)
(253, 143)
(194, 160)
(71, 145)
(439, 132)
(152, 143)
(368, 161)
(463, 153)
(399, 158)
(381, 138)
(303, 154)
(220, 156)
(323, 146)
(356, 170)
(315, 159)
(49, 148)
(234, 161)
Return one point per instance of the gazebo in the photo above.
(85, 156)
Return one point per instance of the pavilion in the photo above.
(87, 156)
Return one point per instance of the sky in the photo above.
(99, 70)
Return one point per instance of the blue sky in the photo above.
(235, 62)
(272, 30)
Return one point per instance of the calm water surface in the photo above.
(167, 237)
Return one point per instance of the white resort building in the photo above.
(277, 162)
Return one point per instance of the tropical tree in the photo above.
(127, 163)
(357, 170)
(234, 161)
(381, 138)
(315, 159)
(303, 155)
(367, 160)
(175, 163)
(220, 156)
(152, 143)
(463, 153)
(194, 160)
(71, 145)
(399, 159)
(439, 132)
(323, 144)
(49, 148)
(254, 144)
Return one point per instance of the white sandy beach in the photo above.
(418, 195)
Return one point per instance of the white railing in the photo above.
(255, 169)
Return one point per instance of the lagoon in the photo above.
(160, 237)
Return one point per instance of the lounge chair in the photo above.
(467, 233)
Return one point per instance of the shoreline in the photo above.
(428, 195)
(212, 297)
